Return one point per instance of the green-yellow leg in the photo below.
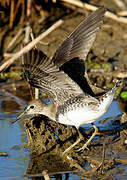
(78, 140)
(90, 139)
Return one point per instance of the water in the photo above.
(13, 139)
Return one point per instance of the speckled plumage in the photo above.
(84, 109)
(64, 78)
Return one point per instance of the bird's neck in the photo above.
(50, 111)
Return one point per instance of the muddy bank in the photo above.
(48, 140)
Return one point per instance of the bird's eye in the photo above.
(31, 107)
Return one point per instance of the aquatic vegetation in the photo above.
(123, 95)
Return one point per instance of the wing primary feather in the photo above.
(41, 72)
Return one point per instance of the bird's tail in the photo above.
(107, 98)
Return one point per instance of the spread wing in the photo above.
(71, 55)
(41, 72)
(80, 40)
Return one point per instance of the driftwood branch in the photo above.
(30, 45)
(93, 8)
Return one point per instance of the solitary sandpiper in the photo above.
(64, 78)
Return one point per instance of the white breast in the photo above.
(80, 116)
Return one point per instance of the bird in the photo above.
(64, 78)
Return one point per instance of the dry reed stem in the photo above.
(120, 4)
(8, 55)
(121, 75)
(103, 159)
(12, 13)
(30, 45)
(28, 28)
(50, 173)
(122, 13)
(93, 8)
(15, 38)
(73, 163)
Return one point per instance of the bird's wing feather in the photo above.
(70, 57)
(80, 40)
(41, 72)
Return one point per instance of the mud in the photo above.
(47, 141)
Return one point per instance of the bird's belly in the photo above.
(79, 117)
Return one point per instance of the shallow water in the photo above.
(13, 139)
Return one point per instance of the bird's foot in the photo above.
(89, 140)
(68, 149)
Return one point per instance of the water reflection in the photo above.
(12, 139)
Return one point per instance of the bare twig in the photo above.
(28, 28)
(122, 13)
(51, 173)
(116, 18)
(123, 161)
(120, 4)
(9, 55)
(30, 45)
(93, 8)
(74, 8)
(20, 2)
(80, 4)
(121, 75)
(27, 33)
(28, 8)
(103, 158)
(12, 13)
(32, 37)
(44, 43)
(73, 163)
(40, 42)
(15, 38)
(14, 9)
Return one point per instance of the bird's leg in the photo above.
(90, 139)
(78, 140)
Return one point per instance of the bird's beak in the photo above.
(20, 116)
